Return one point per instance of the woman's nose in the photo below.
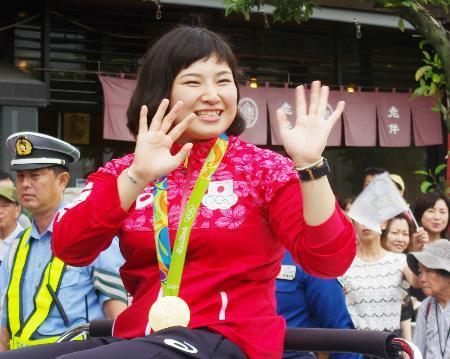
(210, 94)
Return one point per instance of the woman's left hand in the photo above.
(306, 140)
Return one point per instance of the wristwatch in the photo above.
(313, 173)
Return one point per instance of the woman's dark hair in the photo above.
(428, 200)
(385, 231)
(171, 53)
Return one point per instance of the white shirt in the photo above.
(375, 292)
(427, 332)
(6, 242)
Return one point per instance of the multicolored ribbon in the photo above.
(171, 264)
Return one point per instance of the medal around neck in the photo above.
(169, 312)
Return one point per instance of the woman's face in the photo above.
(397, 238)
(206, 88)
(431, 282)
(365, 235)
(435, 219)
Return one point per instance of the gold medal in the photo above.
(169, 312)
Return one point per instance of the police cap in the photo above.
(32, 150)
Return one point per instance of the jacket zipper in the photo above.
(224, 298)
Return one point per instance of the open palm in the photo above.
(306, 140)
(152, 156)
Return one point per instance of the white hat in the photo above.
(435, 255)
(32, 150)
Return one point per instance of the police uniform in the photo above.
(309, 302)
(43, 297)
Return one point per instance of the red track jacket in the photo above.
(252, 209)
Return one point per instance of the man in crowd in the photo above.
(9, 213)
(370, 173)
(7, 181)
(43, 297)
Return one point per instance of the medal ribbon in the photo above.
(171, 264)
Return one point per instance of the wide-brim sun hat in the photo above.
(435, 255)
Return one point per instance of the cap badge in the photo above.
(23, 147)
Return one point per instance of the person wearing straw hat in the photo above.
(398, 182)
(432, 332)
(43, 297)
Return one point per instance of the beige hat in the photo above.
(435, 255)
(398, 180)
(9, 193)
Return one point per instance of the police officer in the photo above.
(309, 302)
(43, 297)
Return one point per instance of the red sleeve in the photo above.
(326, 250)
(86, 227)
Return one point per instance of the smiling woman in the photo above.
(203, 216)
(397, 237)
(432, 212)
(207, 89)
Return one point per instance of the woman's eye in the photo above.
(225, 80)
(191, 82)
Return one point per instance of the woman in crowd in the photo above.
(346, 203)
(191, 180)
(431, 211)
(397, 238)
(432, 332)
(373, 283)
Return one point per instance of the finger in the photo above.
(170, 117)
(300, 102)
(178, 130)
(183, 153)
(143, 125)
(323, 102)
(314, 97)
(337, 113)
(283, 122)
(159, 115)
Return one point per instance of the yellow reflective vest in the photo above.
(21, 331)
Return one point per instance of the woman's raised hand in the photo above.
(420, 238)
(152, 157)
(306, 140)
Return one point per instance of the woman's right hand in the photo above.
(152, 157)
(420, 238)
